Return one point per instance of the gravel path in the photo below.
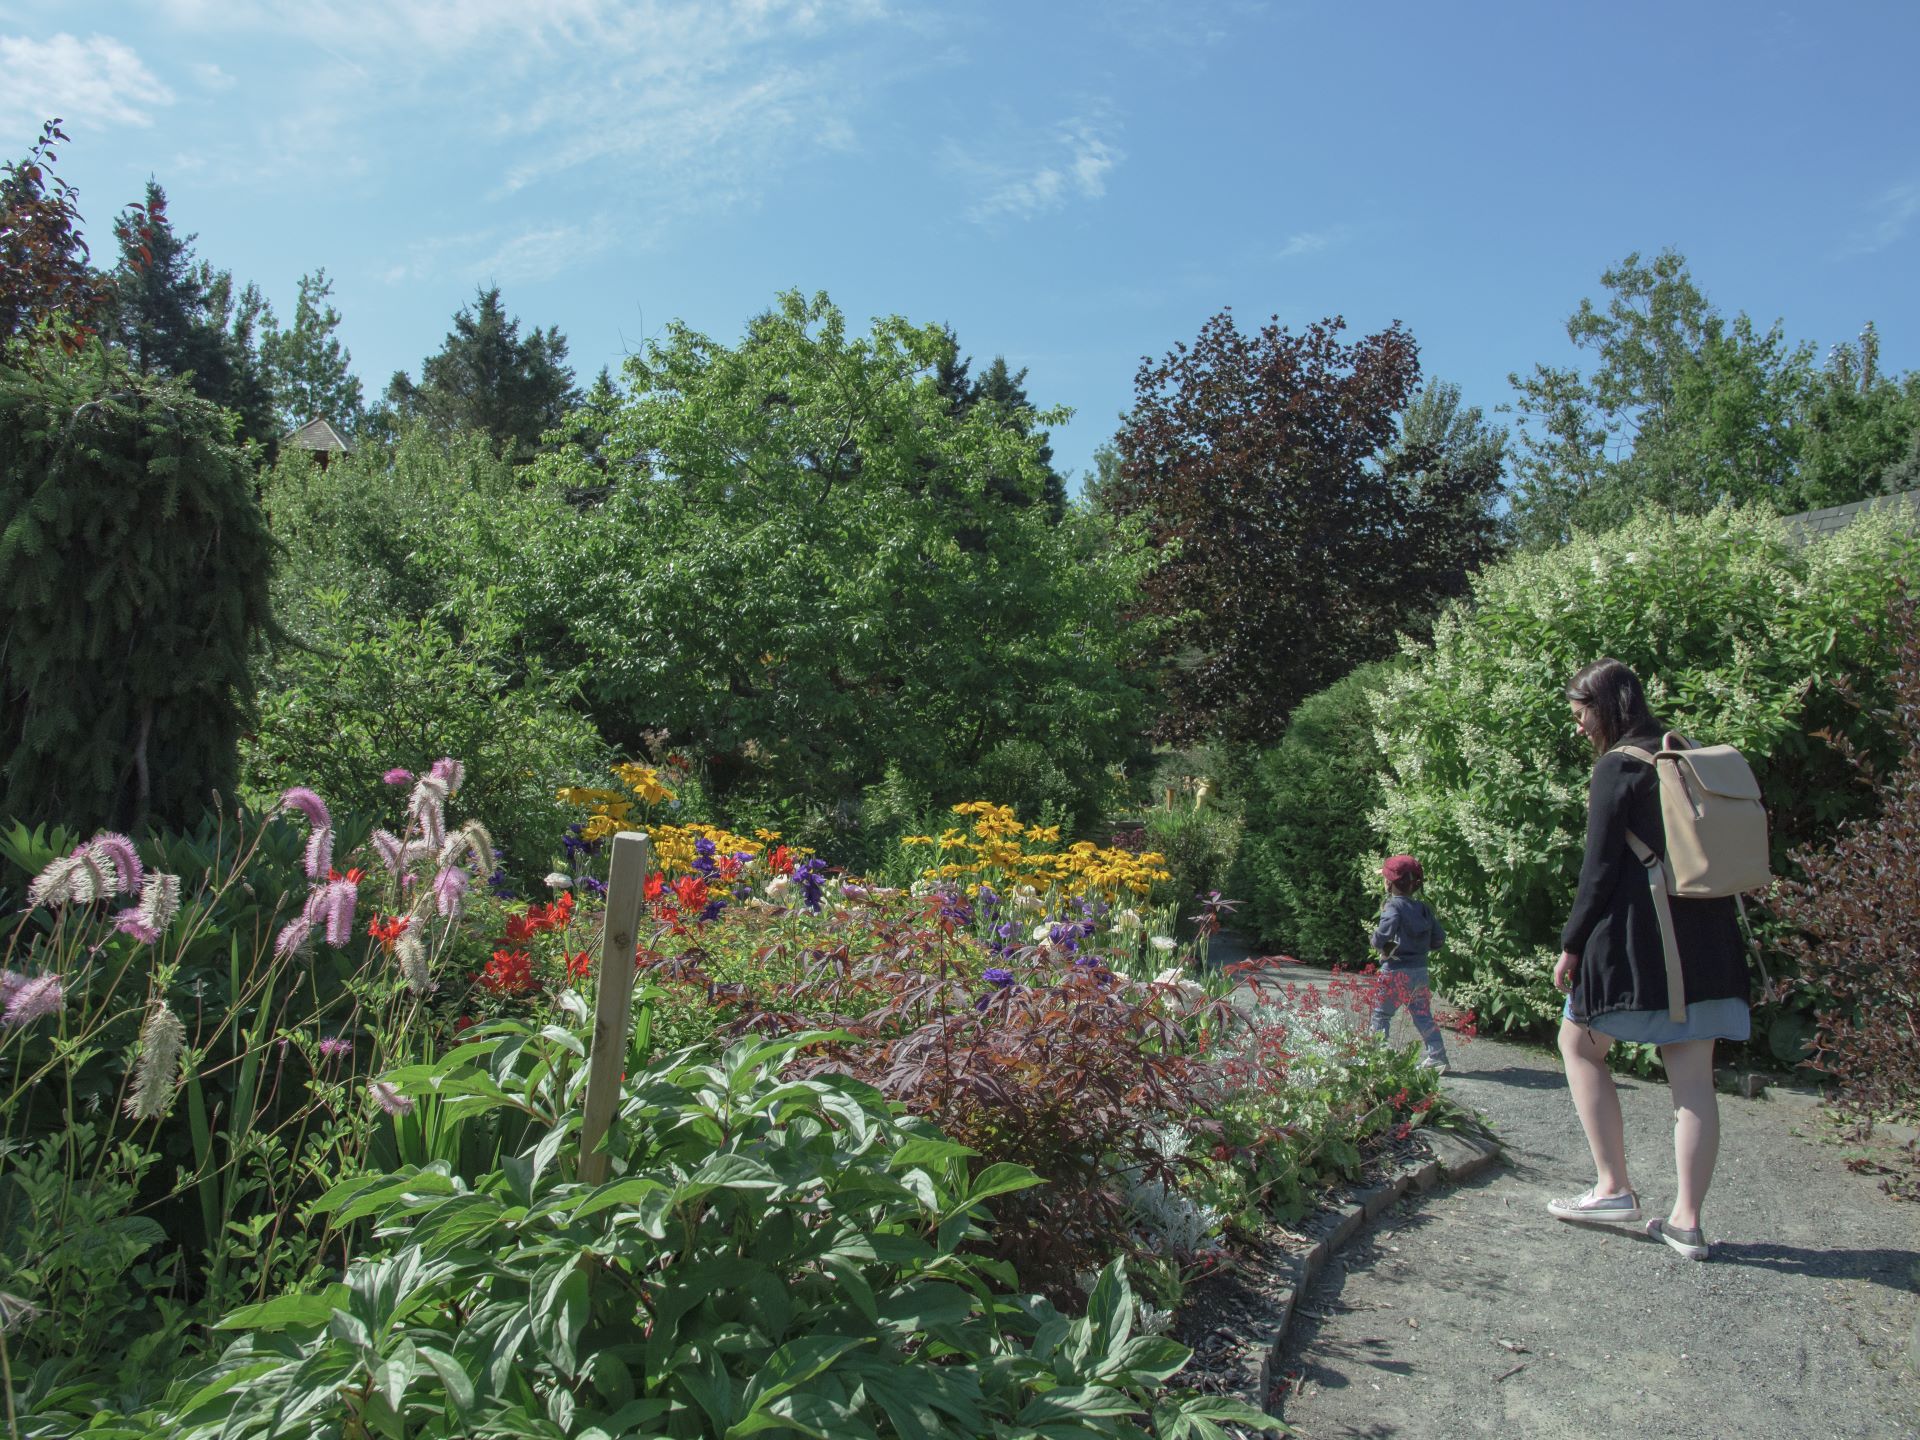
(1469, 1312)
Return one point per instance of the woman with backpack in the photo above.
(1615, 968)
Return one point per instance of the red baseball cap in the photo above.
(1402, 870)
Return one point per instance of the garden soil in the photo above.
(1469, 1312)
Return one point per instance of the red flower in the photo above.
(728, 867)
(655, 887)
(353, 876)
(691, 892)
(520, 929)
(387, 931)
(510, 972)
(579, 966)
(781, 860)
(465, 1022)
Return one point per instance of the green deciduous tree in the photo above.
(1684, 409)
(1301, 525)
(807, 571)
(133, 588)
(488, 377)
(310, 371)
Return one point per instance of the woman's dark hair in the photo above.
(1618, 702)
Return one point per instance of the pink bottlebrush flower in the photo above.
(450, 773)
(450, 890)
(293, 937)
(333, 1047)
(427, 810)
(79, 878)
(319, 857)
(308, 804)
(396, 776)
(159, 903)
(34, 999)
(118, 853)
(9, 982)
(340, 899)
(389, 1099)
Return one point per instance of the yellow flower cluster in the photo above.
(993, 850)
(673, 845)
(611, 811)
(644, 781)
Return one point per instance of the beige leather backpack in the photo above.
(1716, 833)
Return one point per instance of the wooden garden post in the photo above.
(613, 1009)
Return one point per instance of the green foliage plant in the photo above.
(133, 590)
(1303, 864)
(771, 1254)
(1742, 638)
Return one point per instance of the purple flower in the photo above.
(34, 999)
(332, 1047)
(987, 899)
(703, 861)
(389, 1099)
(501, 886)
(998, 977)
(593, 886)
(712, 909)
(811, 875)
(396, 776)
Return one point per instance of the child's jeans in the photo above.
(1407, 985)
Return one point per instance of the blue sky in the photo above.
(1071, 185)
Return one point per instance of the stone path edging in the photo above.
(1458, 1156)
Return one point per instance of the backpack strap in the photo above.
(1662, 906)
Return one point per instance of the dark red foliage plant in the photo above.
(1853, 928)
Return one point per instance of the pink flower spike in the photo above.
(34, 999)
(131, 922)
(449, 772)
(9, 982)
(319, 858)
(390, 1099)
(293, 938)
(308, 804)
(392, 851)
(332, 1047)
(450, 889)
(396, 776)
(125, 860)
(341, 898)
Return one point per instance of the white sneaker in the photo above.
(1589, 1209)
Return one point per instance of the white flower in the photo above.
(1042, 933)
(1128, 921)
(778, 886)
(558, 881)
(1162, 943)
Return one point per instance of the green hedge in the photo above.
(1741, 637)
(1306, 872)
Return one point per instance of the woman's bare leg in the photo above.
(1585, 1052)
(1696, 1126)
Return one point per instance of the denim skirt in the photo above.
(1727, 1019)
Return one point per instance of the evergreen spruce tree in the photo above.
(179, 316)
(133, 585)
(486, 377)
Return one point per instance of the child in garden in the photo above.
(1408, 930)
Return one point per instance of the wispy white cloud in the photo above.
(94, 83)
(497, 256)
(211, 77)
(1041, 174)
(1306, 242)
(1893, 212)
(672, 108)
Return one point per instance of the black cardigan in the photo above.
(1614, 928)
